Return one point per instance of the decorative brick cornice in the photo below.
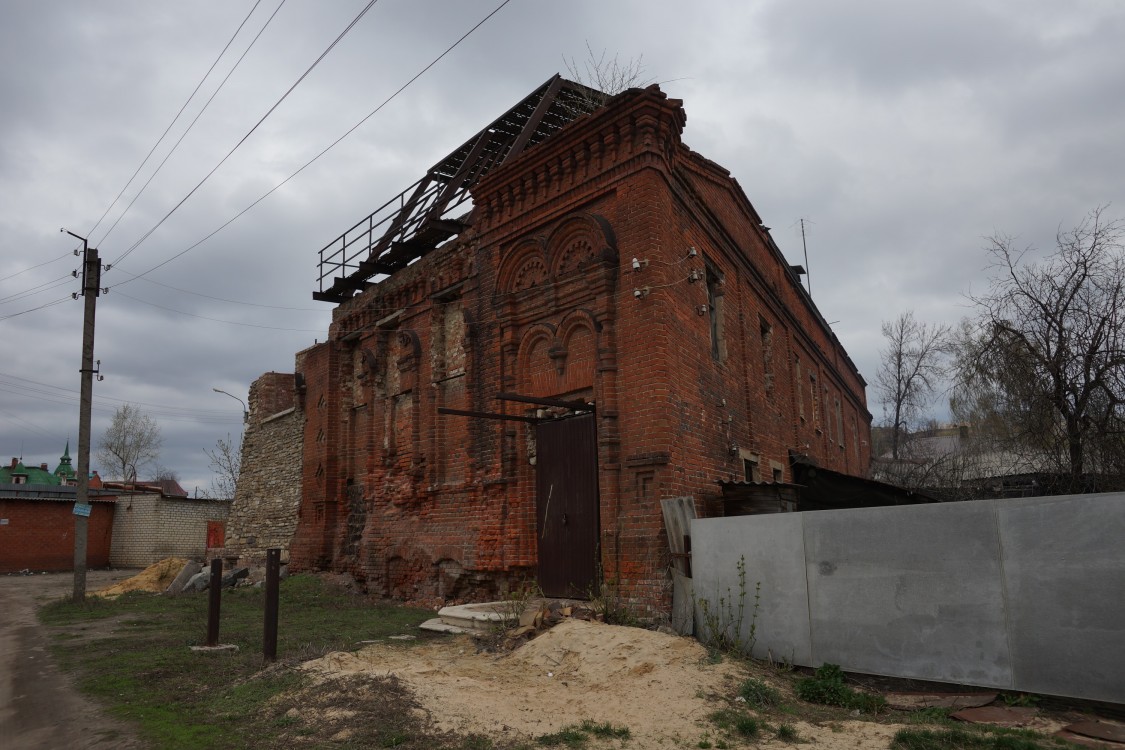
(633, 128)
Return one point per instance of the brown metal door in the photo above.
(566, 486)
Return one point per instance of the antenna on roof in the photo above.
(805, 247)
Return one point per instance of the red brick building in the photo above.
(37, 528)
(509, 393)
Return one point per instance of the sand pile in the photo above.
(662, 687)
(655, 684)
(155, 578)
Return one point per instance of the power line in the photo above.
(27, 425)
(192, 123)
(250, 132)
(37, 265)
(219, 299)
(328, 148)
(37, 289)
(167, 129)
(56, 395)
(218, 320)
(40, 307)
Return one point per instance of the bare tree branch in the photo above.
(912, 367)
(1046, 349)
(130, 443)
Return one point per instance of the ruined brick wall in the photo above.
(268, 495)
(704, 376)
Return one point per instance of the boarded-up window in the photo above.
(452, 433)
(715, 313)
(765, 334)
(798, 386)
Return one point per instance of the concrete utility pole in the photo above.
(91, 288)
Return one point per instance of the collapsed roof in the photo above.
(423, 216)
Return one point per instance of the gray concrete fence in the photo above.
(1024, 595)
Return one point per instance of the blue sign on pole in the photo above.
(82, 509)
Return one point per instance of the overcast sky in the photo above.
(903, 132)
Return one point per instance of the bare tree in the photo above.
(130, 443)
(163, 474)
(1047, 349)
(912, 368)
(605, 77)
(226, 463)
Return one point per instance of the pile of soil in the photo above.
(662, 687)
(155, 578)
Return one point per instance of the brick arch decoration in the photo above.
(578, 242)
(578, 337)
(524, 267)
(539, 348)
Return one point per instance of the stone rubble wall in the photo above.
(268, 494)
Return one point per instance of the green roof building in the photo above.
(18, 473)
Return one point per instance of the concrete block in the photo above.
(198, 582)
(774, 555)
(909, 591)
(1067, 616)
(185, 575)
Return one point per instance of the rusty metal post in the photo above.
(214, 595)
(273, 577)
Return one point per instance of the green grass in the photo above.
(758, 694)
(827, 687)
(787, 733)
(960, 739)
(578, 735)
(133, 654)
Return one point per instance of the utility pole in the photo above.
(91, 288)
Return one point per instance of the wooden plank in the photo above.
(487, 415)
(678, 512)
(683, 604)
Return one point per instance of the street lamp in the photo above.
(245, 411)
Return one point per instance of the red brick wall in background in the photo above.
(39, 535)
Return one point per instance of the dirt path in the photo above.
(40, 709)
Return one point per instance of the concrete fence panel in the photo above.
(1013, 594)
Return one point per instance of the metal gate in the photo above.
(566, 487)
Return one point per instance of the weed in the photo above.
(608, 602)
(1019, 699)
(758, 694)
(747, 726)
(787, 733)
(516, 602)
(827, 687)
(606, 730)
(576, 736)
(704, 744)
(569, 736)
(722, 620)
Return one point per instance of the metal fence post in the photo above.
(214, 594)
(273, 576)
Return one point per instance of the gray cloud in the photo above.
(905, 132)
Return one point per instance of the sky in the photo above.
(904, 134)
